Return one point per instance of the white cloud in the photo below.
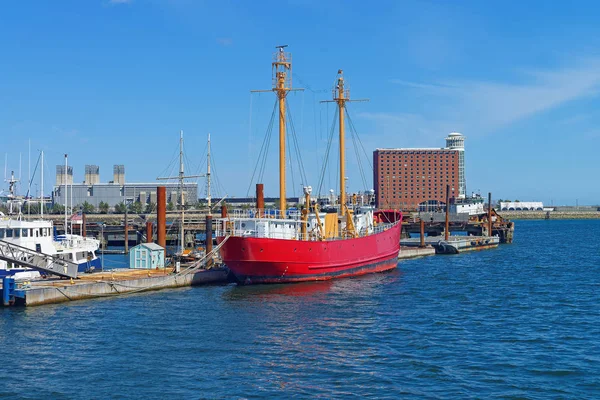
(485, 106)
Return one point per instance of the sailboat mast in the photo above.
(42, 204)
(181, 175)
(341, 101)
(282, 81)
(66, 198)
(29, 179)
(208, 196)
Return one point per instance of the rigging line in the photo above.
(200, 164)
(329, 166)
(357, 153)
(250, 135)
(174, 158)
(326, 158)
(315, 128)
(265, 144)
(359, 141)
(291, 167)
(217, 181)
(297, 147)
(268, 146)
(34, 171)
(302, 114)
(264, 149)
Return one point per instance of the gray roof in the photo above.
(151, 246)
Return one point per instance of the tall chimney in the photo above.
(224, 210)
(161, 218)
(260, 198)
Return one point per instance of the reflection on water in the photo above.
(520, 321)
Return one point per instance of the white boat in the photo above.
(40, 236)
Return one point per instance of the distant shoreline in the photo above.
(517, 215)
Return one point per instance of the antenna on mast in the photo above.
(281, 67)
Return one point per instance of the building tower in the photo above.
(119, 174)
(92, 175)
(60, 175)
(456, 141)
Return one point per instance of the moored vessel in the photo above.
(342, 240)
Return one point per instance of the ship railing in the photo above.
(84, 244)
(264, 213)
(225, 229)
(383, 227)
(255, 234)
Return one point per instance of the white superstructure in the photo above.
(39, 236)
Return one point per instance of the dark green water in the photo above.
(521, 321)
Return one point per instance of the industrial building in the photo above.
(416, 178)
(116, 191)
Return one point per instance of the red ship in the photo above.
(280, 246)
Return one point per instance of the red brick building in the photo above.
(406, 178)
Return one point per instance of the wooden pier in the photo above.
(106, 284)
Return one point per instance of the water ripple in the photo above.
(521, 321)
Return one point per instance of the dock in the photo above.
(105, 284)
(454, 244)
(407, 252)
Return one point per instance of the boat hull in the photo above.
(262, 260)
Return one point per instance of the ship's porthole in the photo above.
(243, 224)
(261, 250)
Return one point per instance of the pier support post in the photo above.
(83, 223)
(126, 234)
(260, 199)
(149, 227)
(161, 218)
(446, 233)
(490, 214)
(224, 211)
(422, 244)
(209, 240)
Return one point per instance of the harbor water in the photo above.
(519, 321)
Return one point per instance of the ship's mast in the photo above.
(181, 199)
(181, 176)
(42, 204)
(282, 85)
(66, 198)
(208, 196)
(342, 97)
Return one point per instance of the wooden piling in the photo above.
(490, 214)
(126, 233)
(209, 240)
(161, 218)
(447, 228)
(224, 211)
(149, 227)
(260, 199)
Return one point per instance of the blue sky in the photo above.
(113, 82)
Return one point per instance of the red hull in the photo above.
(261, 260)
